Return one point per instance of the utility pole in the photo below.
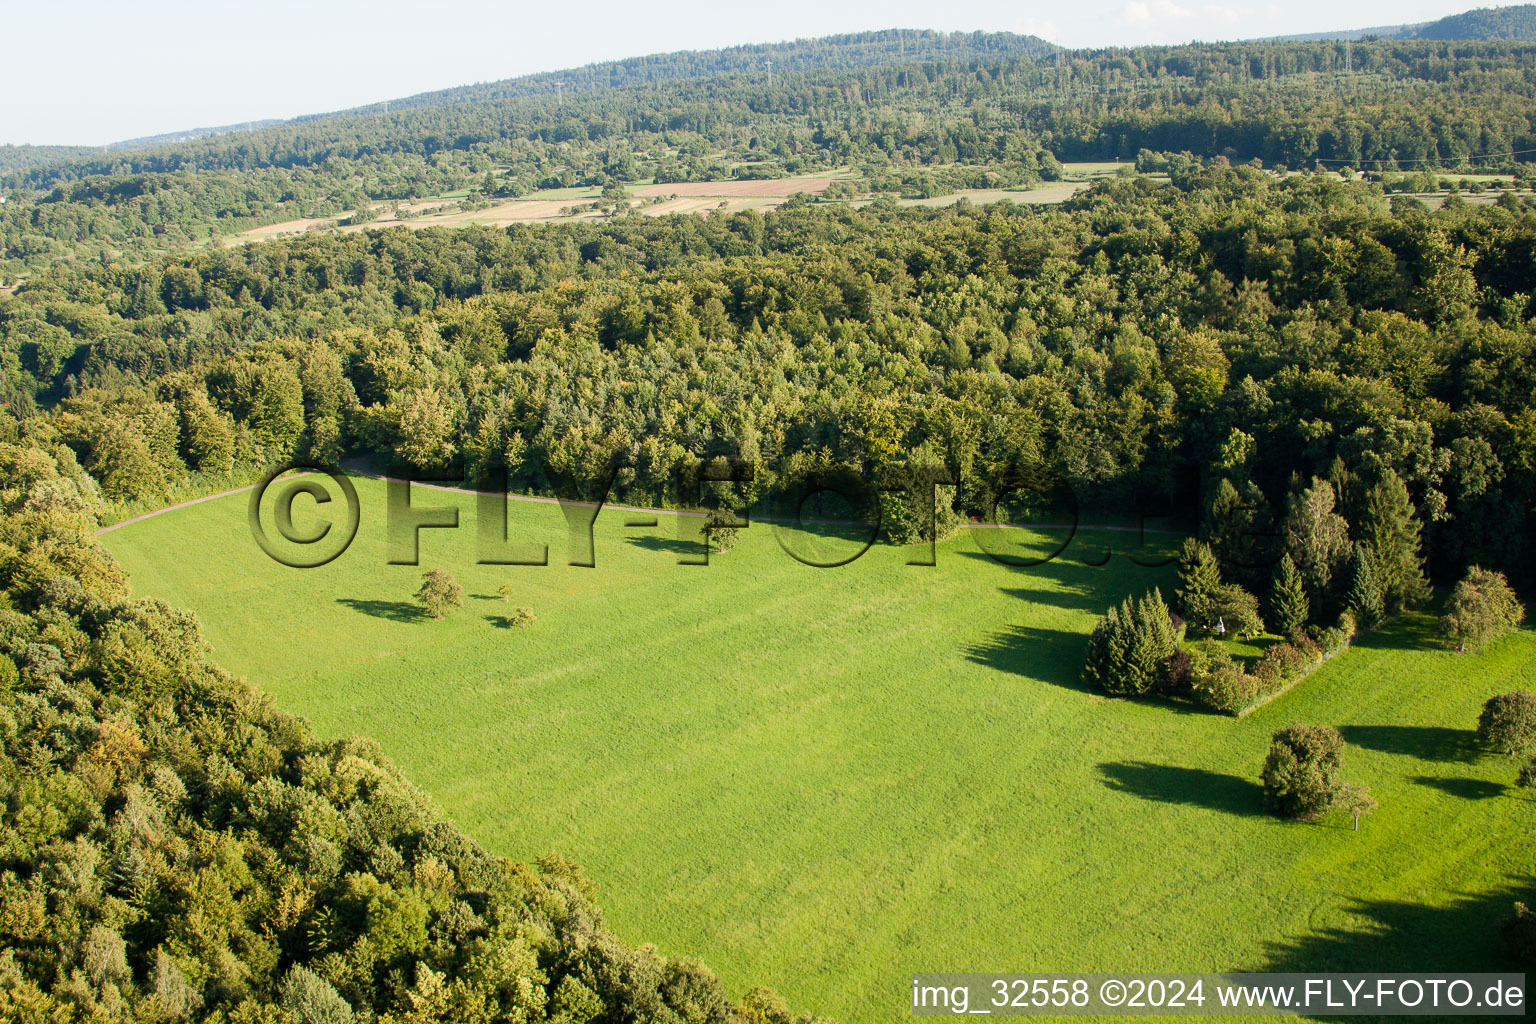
(768, 62)
(560, 95)
(1349, 57)
(386, 107)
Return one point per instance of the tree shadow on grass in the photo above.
(1425, 742)
(395, 611)
(1407, 632)
(1467, 789)
(1081, 599)
(1170, 784)
(680, 547)
(1052, 655)
(1395, 936)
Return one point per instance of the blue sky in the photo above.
(96, 71)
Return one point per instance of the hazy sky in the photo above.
(97, 71)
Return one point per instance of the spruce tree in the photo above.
(1144, 652)
(1129, 646)
(1391, 529)
(1096, 663)
(1199, 584)
(1242, 533)
(1288, 605)
(1365, 596)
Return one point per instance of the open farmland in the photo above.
(660, 200)
(824, 780)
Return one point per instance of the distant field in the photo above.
(677, 197)
(778, 187)
(825, 779)
(1050, 192)
(555, 204)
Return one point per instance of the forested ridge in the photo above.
(1515, 23)
(986, 109)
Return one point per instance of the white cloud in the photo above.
(1045, 28)
(1150, 12)
(1222, 14)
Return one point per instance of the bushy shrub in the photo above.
(1301, 772)
(1238, 611)
(1482, 608)
(1178, 673)
(1228, 689)
(1508, 723)
(1288, 659)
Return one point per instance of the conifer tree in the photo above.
(1288, 605)
(1391, 529)
(1242, 533)
(1129, 646)
(1365, 596)
(1199, 583)
(1097, 662)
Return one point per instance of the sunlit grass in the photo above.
(826, 779)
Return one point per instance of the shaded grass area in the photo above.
(826, 779)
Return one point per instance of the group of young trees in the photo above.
(1134, 649)
(1321, 578)
(1310, 562)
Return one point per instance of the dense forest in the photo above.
(1229, 323)
(1516, 23)
(1507, 23)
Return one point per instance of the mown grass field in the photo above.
(826, 779)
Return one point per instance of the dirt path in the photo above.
(172, 508)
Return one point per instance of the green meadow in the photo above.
(824, 779)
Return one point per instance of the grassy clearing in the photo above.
(824, 780)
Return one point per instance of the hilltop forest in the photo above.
(941, 112)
